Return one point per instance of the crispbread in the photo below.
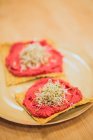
(20, 97)
(13, 80)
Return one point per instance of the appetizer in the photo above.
(49, 97)
(31, 60)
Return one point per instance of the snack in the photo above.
(49, 97)
(27, 61)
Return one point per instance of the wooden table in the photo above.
(70, 24)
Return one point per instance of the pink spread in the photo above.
(45, 111)
(13, 60)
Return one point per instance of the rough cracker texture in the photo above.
(13, 80)
(19, 98)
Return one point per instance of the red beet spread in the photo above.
(45, 111)
(54, 62)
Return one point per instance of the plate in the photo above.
(78, 74)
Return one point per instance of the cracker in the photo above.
(20, 97)
(14, 80)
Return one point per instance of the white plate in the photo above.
(78, 73)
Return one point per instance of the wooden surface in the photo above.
(70, 24)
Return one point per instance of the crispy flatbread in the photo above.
(14, 80)
(20, 97)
